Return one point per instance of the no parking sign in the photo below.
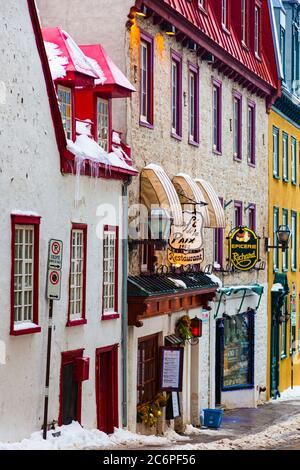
(54, 269)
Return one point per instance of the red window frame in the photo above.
(149, 41)
(218, 251)
(177, 132)
(194, 69)
(98, 96)
(83, 320)
(217, 85)
(238, 209)
(35, 221)
(238, 97)
(252, 217)
(251, 158)
(115, 314)
(73, 114)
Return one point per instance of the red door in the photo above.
(70, 390)
(107, 388)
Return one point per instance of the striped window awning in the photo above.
(189, 192)
(157, 190)
(215, 211)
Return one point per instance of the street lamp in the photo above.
(283, 235)
(159, 227)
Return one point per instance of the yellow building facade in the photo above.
(283, 267)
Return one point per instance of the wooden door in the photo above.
(107, 389)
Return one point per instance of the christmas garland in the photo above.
(149, 412)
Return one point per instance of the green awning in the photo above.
(257, 289)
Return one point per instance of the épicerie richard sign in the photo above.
(243, 246)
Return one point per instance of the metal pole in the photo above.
(48, 369)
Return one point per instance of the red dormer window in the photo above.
(202, 4)
(225, 14)
(103, 123)
(244, 22)
(64, 95)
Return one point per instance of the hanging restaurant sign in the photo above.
(186, 242)
(243, 248)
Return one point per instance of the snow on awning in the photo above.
(216, 215)
(115, 84)
(65, 56)
(157, 190)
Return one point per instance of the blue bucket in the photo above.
(212, 418)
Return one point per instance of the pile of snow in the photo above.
(215, 279)
(57, 62)
(190, 430)
(178, 283)
(86, 148)
(75, 437)
(289, 394)
(277, 287)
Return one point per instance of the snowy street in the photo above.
(274, 425)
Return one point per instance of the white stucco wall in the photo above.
(30, 179)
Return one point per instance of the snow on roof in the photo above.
(215, 279)
(57, 61)
(65, 55)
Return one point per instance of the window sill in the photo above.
(294, 270)
(176, 136)
(294, 183)
(237, 159)
(251, 164)
(283, 356)
(217, 152)
(26, 331)
(146, 124)
(193, 143)
(276, 177)
(285, 270)
(110, 316)
(81, 321)
(285, 180)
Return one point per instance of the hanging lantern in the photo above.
(196, 327)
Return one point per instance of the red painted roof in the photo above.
(114, 81)
(209, 23)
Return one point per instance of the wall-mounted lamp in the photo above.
(159, 225)
(168, 28)
(283, 234)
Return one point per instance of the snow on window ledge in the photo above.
(25, 328)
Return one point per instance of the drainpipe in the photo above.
(124, 339)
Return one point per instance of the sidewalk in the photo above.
(273, 425)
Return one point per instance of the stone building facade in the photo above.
(241, 185)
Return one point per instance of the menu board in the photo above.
(171, 369)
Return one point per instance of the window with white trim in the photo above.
(110, 259)
(275, 152)
(244, 21)
(275, 240)
(23, 273)
(77, 275)
(285, 156)
(102, 123)
(65, 105)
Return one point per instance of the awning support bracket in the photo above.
(243, 298)
(219, 304)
